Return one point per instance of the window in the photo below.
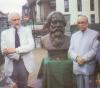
(92, 18)
(52, 5)
(79, 5)
(67, 19)
(4, 24)
(92, 5)
(25, 10)
(66, 5)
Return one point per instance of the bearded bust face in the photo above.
(57, 29)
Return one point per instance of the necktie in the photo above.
(17, 41)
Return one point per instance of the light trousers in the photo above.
(85, 81)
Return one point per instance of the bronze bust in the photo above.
(56, 38)
(56, 68)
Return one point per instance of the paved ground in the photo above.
(39, 54)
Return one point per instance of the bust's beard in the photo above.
(57, 38)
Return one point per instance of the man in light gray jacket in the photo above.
(17, 45)
(82, 50)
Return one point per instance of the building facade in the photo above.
(70, 8)
(99, 10)
(44, 7)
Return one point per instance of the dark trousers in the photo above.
(85, 81)
(20, 74)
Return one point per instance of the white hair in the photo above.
(84, 17)
(13, 14)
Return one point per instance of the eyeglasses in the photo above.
(15, 19)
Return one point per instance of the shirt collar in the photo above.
(85, 31)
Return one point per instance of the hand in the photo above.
(14, 86)
(9, 50)
(80, 60)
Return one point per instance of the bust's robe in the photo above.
(55, 53)
(47, 44)
(51, 71)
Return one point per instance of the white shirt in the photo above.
(83, 44)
